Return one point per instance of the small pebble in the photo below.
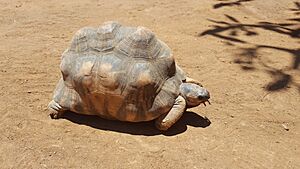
(285, 127)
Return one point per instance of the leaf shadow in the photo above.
(281, 78)
(234, 3)
(231, 30)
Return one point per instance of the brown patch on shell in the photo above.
(114, 104)
(107, 77)
(144, 78)
(86, 68)
(85, 72)
(105, 69)
(131, 112)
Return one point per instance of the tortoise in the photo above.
(126, 74)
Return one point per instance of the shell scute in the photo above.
(107, 36)
(80, 40)
(108, 30)
(140, 44)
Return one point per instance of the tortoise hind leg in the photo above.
(64, 99)
(165, 121)
(57, 106)
(55, 110)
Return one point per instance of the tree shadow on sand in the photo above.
(140, 128)
(281, 78)
(224, 3)
(230, 30)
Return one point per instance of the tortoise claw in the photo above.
(55, 110)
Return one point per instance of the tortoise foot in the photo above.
(55, 110)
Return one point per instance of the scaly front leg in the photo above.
(165, 121)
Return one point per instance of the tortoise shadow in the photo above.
(140, 128)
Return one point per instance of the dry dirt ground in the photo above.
(246, 52)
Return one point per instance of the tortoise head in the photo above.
(194, 94)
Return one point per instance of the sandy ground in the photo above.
(246, 52)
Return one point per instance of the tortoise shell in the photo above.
(118, 72)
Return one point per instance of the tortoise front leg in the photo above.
(165, 121)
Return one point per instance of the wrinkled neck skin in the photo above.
(193, 94)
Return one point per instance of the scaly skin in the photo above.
(165, 121)
(55, 110)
